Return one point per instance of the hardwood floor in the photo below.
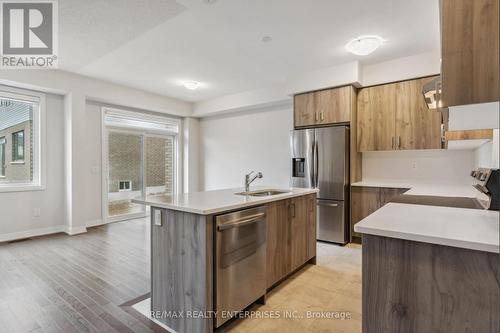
(73, 284)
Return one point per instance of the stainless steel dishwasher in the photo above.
(240, 261)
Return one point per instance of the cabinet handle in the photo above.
(292, 206)
(316, 118)
(392, 143)
(321, 116)
(399, 142)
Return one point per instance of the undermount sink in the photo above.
(263, 193)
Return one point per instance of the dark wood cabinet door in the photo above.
(364, 201)
(311, 226)
(470, 63)
(278, 241)
(416, 126)
(387, 194)
(299, 211)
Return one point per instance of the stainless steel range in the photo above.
(487, 182)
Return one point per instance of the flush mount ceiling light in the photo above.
(364, 45)
(191, 85)
(266, 39)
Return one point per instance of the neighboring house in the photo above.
(16, 126)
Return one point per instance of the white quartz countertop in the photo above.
(436, 189)
(473, 229)
(212, 202)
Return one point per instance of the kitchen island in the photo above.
(430, 269)
(204, 268)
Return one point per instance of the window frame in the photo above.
(38, 183)
(15, 148)
(3, 145)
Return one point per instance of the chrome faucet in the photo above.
(249, 180)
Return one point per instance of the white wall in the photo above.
(424, 166)
(234, 145)
(17, 208)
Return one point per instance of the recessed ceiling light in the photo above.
(364, 45)
(267, 39)
(191, 85)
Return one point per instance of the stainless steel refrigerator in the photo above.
(320, 159)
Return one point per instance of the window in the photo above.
(125, 185)
(21, 140)
(18, 146)
(2, 156)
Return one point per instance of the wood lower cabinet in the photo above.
(394, 116)
(470, 64)
(366, 200)
(278, 241)
(323, 107)
(291, 236)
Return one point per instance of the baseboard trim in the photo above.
(75, 230)
(31, 233)
(94, 223)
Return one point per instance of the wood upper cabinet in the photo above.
(394, 116)
(470, 63)
(304, 110)
(416, 126)
(376, 117)
(323, 107)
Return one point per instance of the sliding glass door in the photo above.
(140, 160)
(125, 174)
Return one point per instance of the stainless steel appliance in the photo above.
(320, 159)
(240, 261)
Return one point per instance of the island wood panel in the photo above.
(299, 217)
(182, 268)
(376, 118)
(419, 287)
(278, 241)
(416, 126)
(304, 110)
(333, 105)
(470, 67)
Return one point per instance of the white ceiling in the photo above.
(156, 44)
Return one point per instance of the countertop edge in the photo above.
(228, 207)
(463, 244)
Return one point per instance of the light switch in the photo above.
(158, 217)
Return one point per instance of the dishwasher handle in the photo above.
(241, 222)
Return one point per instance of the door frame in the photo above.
(177, 156)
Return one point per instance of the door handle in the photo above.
(241, 222)
(328, 204)
(316, 171)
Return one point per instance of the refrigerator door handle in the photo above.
(316, 166)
